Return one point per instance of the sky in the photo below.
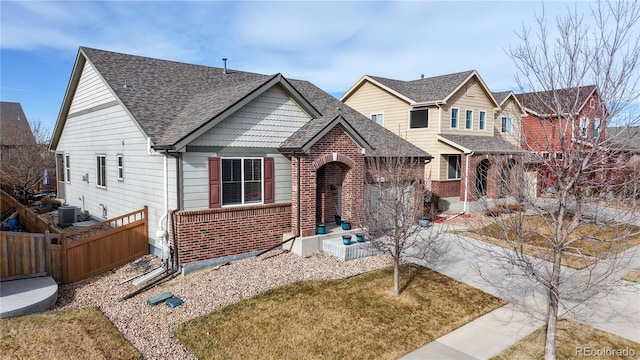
(330, 43)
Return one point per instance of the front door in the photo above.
(481, 178)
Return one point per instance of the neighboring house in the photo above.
(557, 119)
(244, 159)
(626, 142)
(472, 134)
(542, 131)
(22, 160)
(16, 131)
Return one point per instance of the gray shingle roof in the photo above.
(627, 137)
(429, 89)
(14, 124)
(484, 144)
(382, 140)
(500, 96)
(560, 101)
(170, 100)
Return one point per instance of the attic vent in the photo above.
(224, 61)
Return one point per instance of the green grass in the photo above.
(573, 339)
(355, 318)
(75, 334)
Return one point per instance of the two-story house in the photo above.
(558, 120)
(472, 133)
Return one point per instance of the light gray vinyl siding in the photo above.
(91, 91)
(196, 174)
(111, 131)
(264, 123)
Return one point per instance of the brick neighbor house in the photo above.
(555, 122)
(235, 160)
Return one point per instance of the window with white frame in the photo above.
(241, 181)
(101, 170)
(483, 120)
(558, 155)
(67, 167)
(120, 167)
(596, 127)
(454, 162)
(468, 120)
(583, 126)
(454, 118)
(506, 126)
(378, 118)
(545, 155)
(419, 119)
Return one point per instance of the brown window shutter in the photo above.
(214, 183)
(269, 181)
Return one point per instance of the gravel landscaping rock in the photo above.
(149, 328)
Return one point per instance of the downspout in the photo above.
(298, 184)
(163, 223)
(439, 119)
(161, 232)
(466, 181)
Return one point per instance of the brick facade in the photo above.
(214, 233)
(334, 161)
(447, 188)
(335, 157)
(501, 169)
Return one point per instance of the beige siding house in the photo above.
(457, 119)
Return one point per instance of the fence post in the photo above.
(47, 247)
(63, 265)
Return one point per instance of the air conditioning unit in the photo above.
(67, 215)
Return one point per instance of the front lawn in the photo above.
(75, 334)
(589, 238)
(354, 318)
(574, 340)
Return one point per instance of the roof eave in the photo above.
(74, 79)
(338, 120)
(454, 144)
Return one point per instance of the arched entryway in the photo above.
(505, 177)
(329, 192)
(482, 171)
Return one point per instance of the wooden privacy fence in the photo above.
(103, 246)
(29, 220)
(26, 255)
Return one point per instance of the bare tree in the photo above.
(23, 163)
(559, 68)
(394, 204)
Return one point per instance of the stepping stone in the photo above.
(174, 302)
(155, 300)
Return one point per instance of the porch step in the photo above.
(355, 250)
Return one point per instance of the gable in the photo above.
(472, 94)
(267, 121)
(90, 92)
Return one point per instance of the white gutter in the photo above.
(466, 181)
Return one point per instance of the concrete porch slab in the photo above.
(26, 296)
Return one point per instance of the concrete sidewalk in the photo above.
(482, 338)
(525, 312)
